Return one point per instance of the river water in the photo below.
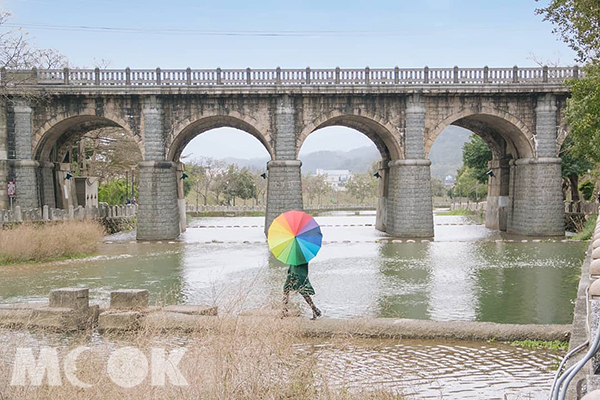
(467, 273)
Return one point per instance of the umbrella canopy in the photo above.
(294, 238)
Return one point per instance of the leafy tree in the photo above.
(572, 167)
(203, 173)
(315, 186)
(238, 183)
(577, 22)
(583, 113)
(467, 185)
(115, 192)
(188, 185)
(218, 186)
(437, 188)
(261, 186)
(362, 186)
(476, 155)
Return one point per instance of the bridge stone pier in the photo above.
(517, 111)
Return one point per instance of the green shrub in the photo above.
(115, 192)
(587, 189)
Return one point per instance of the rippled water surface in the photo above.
(446, 370)
(467, 273)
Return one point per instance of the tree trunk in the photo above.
(574, 179)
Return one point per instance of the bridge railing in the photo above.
(289, 77)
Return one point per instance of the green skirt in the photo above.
(297, 280)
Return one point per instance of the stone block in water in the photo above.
(72, 298)
(127, 299)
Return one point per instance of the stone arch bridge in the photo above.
(517, 111)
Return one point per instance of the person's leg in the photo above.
(315, 310)
(286, 300)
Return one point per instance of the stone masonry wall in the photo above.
(284, 189)
(537, 207)
(27, 186)
(49, 116)
(158, 211)
(284, 186)
(185, 117)
(47, 185)
(546, 126)
(379, 117)
(409, 210)
(443, 110)
(153, 130)
(402, 123)
(285, 129)
(415, 128)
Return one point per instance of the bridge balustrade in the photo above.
(290, 77)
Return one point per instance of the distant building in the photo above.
(336, 178)
(449, 182)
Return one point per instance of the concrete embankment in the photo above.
(69, 310)
(374, 327)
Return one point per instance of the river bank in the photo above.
(258, 360)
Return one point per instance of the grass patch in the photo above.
(458, 211)
(555, 345)
(587, 231)
(30, 243)
(33, 262)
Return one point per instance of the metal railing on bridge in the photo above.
(289, 77)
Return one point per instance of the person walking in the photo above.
(297, 281)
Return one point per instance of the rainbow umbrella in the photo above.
(294, 238)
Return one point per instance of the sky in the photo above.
(267, 34)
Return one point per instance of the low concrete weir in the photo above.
(375, 327)
(129, 311)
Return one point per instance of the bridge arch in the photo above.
(379, 131)
(191, 127)
(503, 132)
(64, 129)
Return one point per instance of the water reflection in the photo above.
(406, 275)
(465, 274)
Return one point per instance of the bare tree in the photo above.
(18, 53)
(205, 172)
(106, 153)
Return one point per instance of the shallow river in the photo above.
(467, 273)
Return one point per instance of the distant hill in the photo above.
(445, 156)
(357, 160)
(446, 152)
(251, 163)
